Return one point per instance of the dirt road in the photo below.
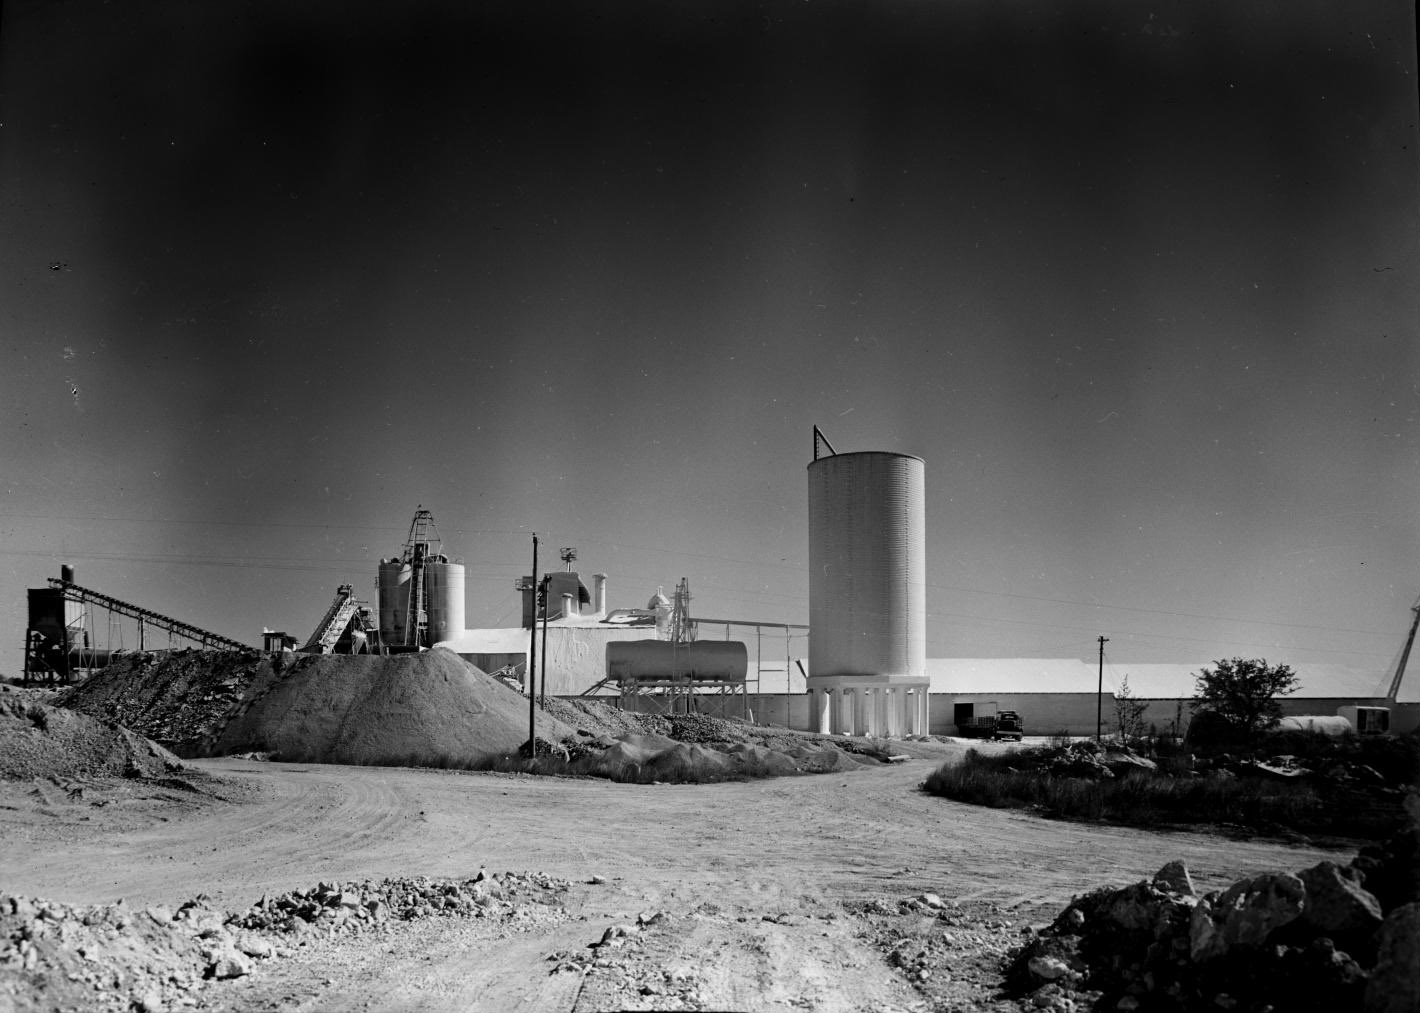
(760, 886)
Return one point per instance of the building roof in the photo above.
(1146, 681)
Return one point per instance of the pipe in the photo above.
(599, 594)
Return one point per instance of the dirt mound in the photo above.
(37, 740)
(425, 709)
(430, 708)
(182, 699)
(595, 717)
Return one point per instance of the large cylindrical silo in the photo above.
(867, 565)
(394, 599)
(444, 584)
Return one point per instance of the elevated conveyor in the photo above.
(337, 618)
(58, 643)
(146, 617)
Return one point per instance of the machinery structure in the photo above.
(675, 666)
(348, 623)
(421, 593)
(1374, 720)
(60, 640)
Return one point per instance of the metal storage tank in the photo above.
(394, 599)
(867, 565)
(444, 584)
(698, 659)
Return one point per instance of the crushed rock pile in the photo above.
(111, 957)
(425, 709)
(41, 741)
(182, 699)
(1314, 940)
(596, 717)
(429, 708)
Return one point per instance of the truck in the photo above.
(998, 725)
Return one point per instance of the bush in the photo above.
(1174, 795)
(1243, 692)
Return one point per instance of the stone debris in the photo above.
(43, 741)
(953, 953)
(1314, 940)
(112, 958)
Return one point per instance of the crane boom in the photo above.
(1404, 654)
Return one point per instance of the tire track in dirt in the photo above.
(795, 849)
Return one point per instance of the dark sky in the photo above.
(1138, 283)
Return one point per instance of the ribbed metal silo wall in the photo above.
(445, 584)
(867, 565)
(394, 599)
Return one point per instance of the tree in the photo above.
(1129, 713)
(1243, 693)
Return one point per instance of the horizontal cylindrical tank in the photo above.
(444, 586)
(394, 590)
(1333, 725)
(867, 565)
(726, 660)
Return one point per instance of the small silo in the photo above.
(867, 565)
(394, 587)
(444, 585)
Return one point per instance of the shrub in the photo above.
(1172, 796)
(1243, 693)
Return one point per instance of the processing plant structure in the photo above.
(421, 592)
(61, 641)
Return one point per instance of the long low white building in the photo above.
(1060, 695)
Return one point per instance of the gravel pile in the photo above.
(113, 958)
(350, 908)
(182, 699)
(40, 741)
(430, 708)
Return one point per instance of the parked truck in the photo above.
(1000, 725)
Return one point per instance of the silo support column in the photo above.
(822, 710)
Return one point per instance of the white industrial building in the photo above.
(1059, 695)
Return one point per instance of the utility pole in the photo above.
(1099, 697)
(532, 663)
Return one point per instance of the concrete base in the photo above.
(869, 705)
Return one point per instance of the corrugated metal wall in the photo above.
(445, 586)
